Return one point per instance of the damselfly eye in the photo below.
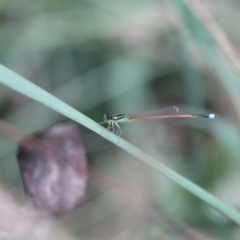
(107, 117)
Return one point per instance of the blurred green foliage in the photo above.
(131, 56)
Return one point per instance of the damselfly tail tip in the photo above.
(210, 115)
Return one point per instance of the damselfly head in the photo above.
(107, 117)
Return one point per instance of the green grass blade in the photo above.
(22, 85)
